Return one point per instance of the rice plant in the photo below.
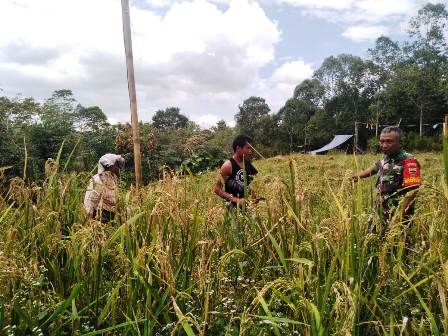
(313, 258)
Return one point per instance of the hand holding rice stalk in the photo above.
(256, 200)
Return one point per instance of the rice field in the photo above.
(312, 259)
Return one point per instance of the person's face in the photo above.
(245, 151)
(389, 143)
(115, 169)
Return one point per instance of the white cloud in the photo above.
(168, 3)
(280, 86)
(354, 14)
(205, 120)
(195, 55)
(202, 56)
(159, 3)
(292, 72)
(326, 4)
(361, 33)
(383, 8)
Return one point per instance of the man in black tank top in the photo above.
(236, 173)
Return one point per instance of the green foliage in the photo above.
(90, 118)
(169, 118)
(249, 114)
(412, 141)
(320, 128)
(373, 145)
(404, 83)
(311, 91)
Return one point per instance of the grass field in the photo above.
(310, 260)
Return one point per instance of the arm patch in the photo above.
(411, 173)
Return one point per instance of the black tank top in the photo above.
(234, 184)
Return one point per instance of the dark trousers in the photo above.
(388, 212)
(104, 216)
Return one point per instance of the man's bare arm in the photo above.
(363, 174)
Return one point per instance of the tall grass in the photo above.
(313, 259)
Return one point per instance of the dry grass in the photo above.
(309, 260)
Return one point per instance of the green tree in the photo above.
(348, 89)
(320, 128)
(383, 60)
(222, 137)
(310, 91)
(18, 117)
(90, 118)
(422, 73)
(429, 28)
(266, 131)
(249, 114)
(385, 55)
(6, 140)
(292, 119)
(420, 86)
(169, 118)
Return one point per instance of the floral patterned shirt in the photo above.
(101, 193)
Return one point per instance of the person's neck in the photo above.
(238, 158)
(395, 154)
(109, 172)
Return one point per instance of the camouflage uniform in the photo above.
(398, 174)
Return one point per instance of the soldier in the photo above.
(399, 173)
(236, 173)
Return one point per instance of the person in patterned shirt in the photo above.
(100, 199)
(398, 174)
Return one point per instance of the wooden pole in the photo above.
(445, 147)
(131, 89)
(445, 127)
(355, 142)
(377, 115)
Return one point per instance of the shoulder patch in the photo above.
(411, 173)
(405, 155)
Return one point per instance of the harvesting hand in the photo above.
(240, 201)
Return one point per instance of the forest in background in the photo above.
(397, 82)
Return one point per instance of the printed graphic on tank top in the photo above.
(234, 184)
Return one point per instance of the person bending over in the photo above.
(100, 199)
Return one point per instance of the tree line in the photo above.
(402, 83)
(396, 83)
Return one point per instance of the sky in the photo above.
(204, 56)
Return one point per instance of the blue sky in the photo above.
(204, 56)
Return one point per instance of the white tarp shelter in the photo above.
(337, 141)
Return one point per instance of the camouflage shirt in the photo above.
(397, 175)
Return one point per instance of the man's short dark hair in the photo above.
(395, 129)
(241, 140)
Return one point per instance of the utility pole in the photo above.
(445, 146)
(377, 115)
(131, 89)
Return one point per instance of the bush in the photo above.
(411, 142)
(373, 145)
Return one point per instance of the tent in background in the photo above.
(336, 142)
